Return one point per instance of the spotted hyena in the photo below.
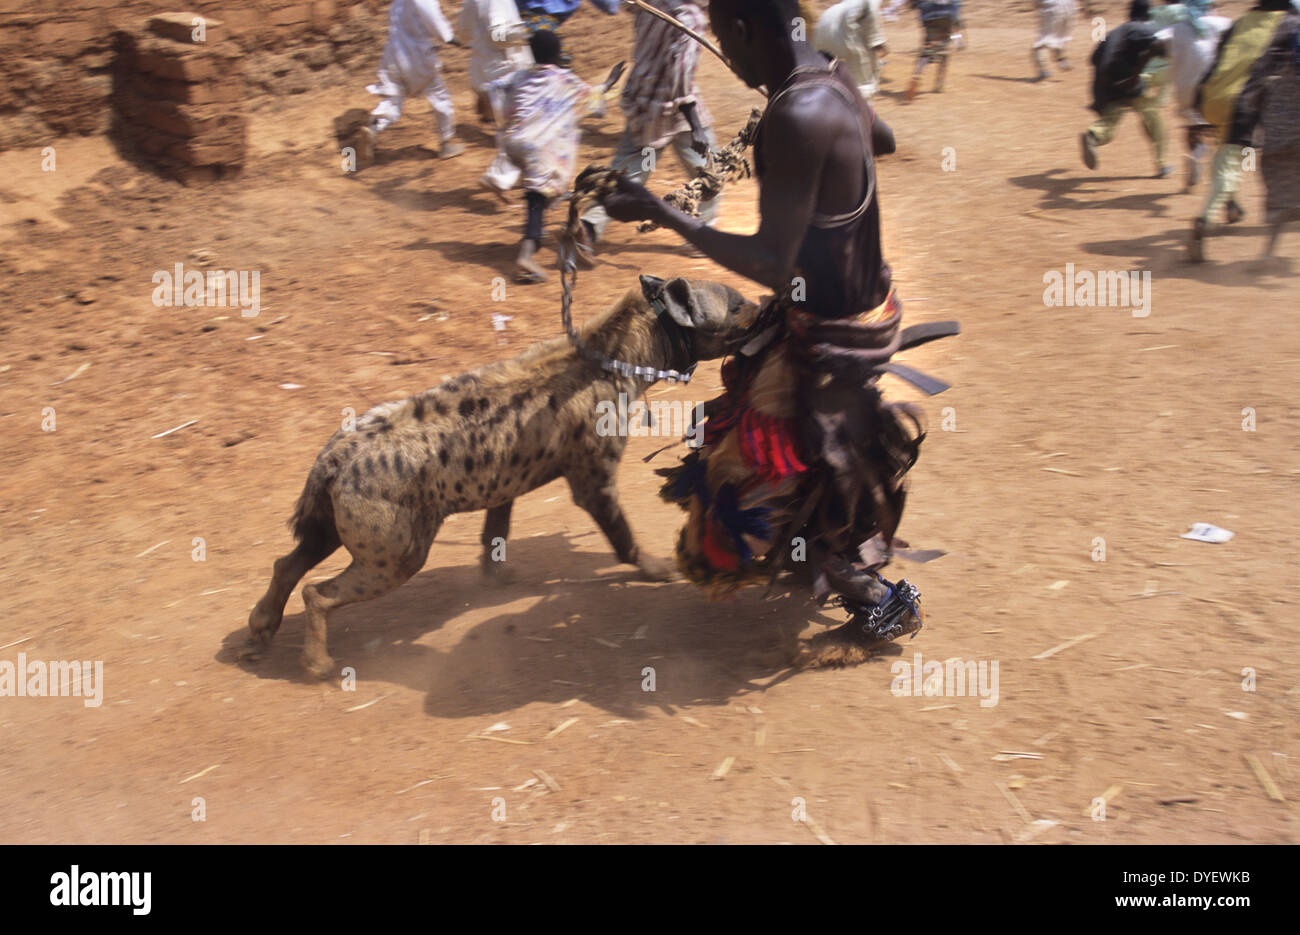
(382, 489)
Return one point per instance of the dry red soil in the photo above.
(1064, 427)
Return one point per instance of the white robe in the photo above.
(544, 104)
(487, 24)
(1190, 57)
(410, 65)
(1055, 23)
(851, 31)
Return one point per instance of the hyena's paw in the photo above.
(320, 666)
(252, 650)
(257, 644)
(262, 625)
(654, 568)
(497, 572)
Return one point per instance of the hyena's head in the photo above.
(709, 317)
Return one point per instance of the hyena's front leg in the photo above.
(496, 529)
(596, 492)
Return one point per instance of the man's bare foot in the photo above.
(528, 273)
(527, 269)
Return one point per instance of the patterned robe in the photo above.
(1270, 102)
(543, 105)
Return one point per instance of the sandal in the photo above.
(529, 277)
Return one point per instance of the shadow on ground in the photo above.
(590, 633)
(1059, 186)
(1165, 254)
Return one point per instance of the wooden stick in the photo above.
(1264, 778)
(678, 24)
(673, 21)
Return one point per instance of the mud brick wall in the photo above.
(177, 100)
(57, 56)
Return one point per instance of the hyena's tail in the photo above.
(313, 527)
(312, 522)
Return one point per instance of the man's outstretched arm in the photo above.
(796, 147)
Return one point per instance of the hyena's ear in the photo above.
(693, 304)
(679, 299)
(706, 306)
(651, 286)
(674, 297)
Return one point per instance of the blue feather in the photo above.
(739, 523)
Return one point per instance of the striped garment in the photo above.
(932, 10)
(662, 78)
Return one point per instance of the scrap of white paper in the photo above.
(1204, 532)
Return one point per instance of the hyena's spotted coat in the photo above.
(479, 441)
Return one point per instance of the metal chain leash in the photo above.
(592, 185)
(595, 182)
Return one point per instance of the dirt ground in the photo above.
(517, 714)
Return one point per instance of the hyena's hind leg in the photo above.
(379, 572)
(496, 529)
(288, 571)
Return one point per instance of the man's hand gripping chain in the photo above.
(595, 183)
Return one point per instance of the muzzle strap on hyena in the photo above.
(802, 465)
(382, 489)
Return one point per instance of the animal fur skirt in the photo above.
(801, 459)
